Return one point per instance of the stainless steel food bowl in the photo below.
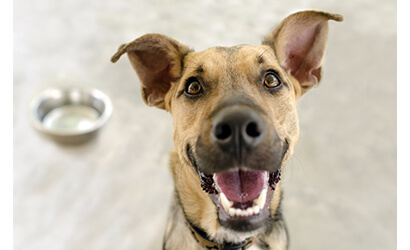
(70, 114)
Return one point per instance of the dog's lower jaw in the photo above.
(191, 201)
(179, 236)
(224, 234)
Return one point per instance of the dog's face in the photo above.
(235, 123)
(235, 118)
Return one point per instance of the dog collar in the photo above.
(203, 240)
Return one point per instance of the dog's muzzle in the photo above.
(238, 137)
(238, 158)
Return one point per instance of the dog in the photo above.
(235, 125)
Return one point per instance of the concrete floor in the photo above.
(113, 192)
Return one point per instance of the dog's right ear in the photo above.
(157, 59)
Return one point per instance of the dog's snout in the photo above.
(237, 130)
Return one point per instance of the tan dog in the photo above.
(235, 127)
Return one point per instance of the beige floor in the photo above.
(113, 192)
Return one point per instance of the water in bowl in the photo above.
(71, 118)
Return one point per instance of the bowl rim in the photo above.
(46, 93)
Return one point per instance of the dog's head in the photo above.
(235, 118)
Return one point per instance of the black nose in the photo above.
(237, 130)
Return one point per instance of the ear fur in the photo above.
(157, 60)
(299, 43)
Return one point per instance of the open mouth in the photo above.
(241, 196)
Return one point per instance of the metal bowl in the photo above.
(70, 114)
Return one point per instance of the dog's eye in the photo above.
(193, 87)
(272, 80)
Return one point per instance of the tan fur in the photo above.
(164, 65)
(281, 111)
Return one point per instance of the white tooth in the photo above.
(232, 211)
(249, 211)
(256, 209)
(237, 212)
(260, 201)
(226, 204)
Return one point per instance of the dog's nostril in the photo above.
(223, 131)
(252, 130)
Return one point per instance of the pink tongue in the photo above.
(241, 186)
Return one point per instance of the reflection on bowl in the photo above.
(70, 114)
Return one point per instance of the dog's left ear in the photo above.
(157, 60)
(299, 43)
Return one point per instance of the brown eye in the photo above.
(271, 80)
(193, 87)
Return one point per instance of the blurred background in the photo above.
(113, 192)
